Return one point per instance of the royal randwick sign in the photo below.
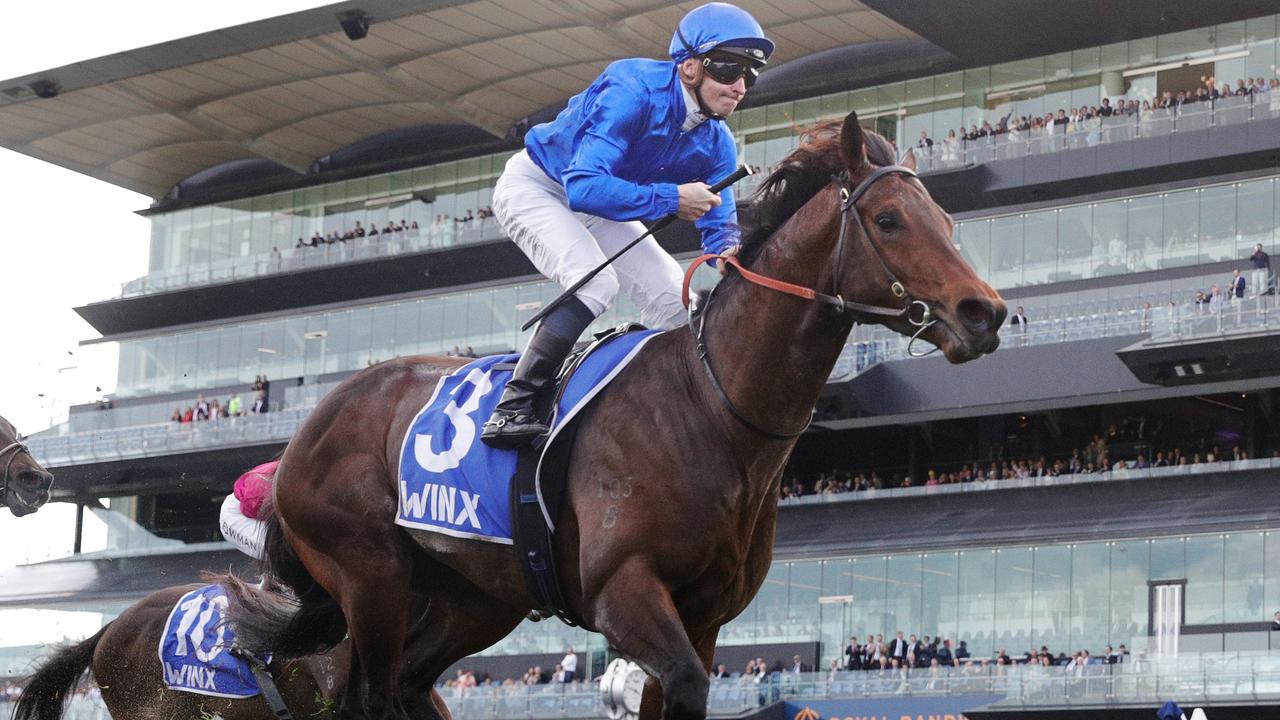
(904, 708)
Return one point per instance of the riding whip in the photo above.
(718, 188)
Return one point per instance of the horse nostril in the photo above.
(979, 315)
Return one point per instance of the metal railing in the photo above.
(946, 155)
(1245, 677)
(296, 259)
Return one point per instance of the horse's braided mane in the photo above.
(798, 177)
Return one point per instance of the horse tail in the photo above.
(289, 615)
(47, 691)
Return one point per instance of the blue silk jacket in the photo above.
(618, 150)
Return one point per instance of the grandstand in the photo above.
(1114, 458)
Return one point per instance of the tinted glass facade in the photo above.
(1069, 597)
(192, 238)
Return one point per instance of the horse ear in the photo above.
(909, 161)
(852, 143)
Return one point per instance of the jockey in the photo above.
(643, 141)
(241, 511)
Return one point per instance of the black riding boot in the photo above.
(516, 421)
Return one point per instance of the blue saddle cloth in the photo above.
(450, 481)
(195, 648)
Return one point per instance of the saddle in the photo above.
(532, 529)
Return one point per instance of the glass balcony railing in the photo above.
(945, 154)
(1182, 323)
(950, 154)
(297, 259)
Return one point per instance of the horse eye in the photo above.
(886, 221)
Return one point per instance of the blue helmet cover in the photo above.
(714, 24)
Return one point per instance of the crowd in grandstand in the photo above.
(1097, 456)
(1088, 116)
(442, 228)
(212, 409)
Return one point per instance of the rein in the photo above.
(862, 312)
(19, 448)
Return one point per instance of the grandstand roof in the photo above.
(293, 89)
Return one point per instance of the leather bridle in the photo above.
(17, 448)
(861, 312)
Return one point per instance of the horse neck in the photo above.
(773, 352)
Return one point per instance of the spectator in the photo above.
(234, 408)
(1261, 263)
(1235, 291)
(569, 665)
(1019, 322)
(1275, 622)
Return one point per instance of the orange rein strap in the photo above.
(873, 312)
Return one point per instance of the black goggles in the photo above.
(727, 72)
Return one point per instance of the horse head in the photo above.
(892, 223)
(24, 485)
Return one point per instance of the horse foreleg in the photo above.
(635, 611)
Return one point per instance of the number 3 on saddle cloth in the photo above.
(452, 483)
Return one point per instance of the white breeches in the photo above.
(565, 245)
(245, 533)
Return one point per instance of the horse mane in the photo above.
(800, 176)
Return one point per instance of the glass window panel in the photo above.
(1006, 251)
(1075, 244)
(836, 579)
(359, 339)
(206, 360)
(1218, 223)
(1167, 559)
(506, 331)
(1146, 228)
(228, 364)
(940, 580)
(867, 615)
(771, 606)
(1013, 599)
(382, 338)
(804, 588)
(1179, 45)
(902, 592)
(1039, 247)
(479, 322)
(250, 358)
(976, 601)
(220, 234)
(1243, 578)
(974, 239)
(1052, 613)
(1110, 252)
(1182, 228)
(160, 240)
(406, 331)
(338, 342)
(431, 326)
(165, 369)
(293, 351)
(1203, 602)
(1090, 596)
(1255, 207)
(455, 323)
(316, 346)
(272, 339)
(1271, 570)
(186, 357)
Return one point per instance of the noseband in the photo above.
(861, 312)
(18, 448)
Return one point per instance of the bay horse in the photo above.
(122, 657)
(25, 485)
(666, 531)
